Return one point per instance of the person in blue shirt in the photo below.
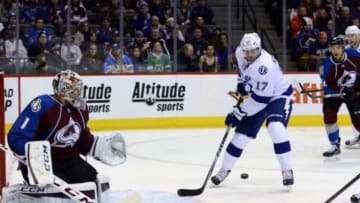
(117, 62)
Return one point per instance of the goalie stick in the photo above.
(193, 192)
(352, 181)
(59, 184)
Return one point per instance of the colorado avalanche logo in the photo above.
(36, 105)
(68, 135)
(263, 70)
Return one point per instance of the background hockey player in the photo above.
(62, 119)
(269, 99)
(339, 75)
(352, 34)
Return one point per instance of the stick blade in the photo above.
(189, 192)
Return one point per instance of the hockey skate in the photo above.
(333, 151)
(355, 198)
(288, 177)
(220, 176)
(351, 143)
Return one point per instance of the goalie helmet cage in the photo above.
(2, 134)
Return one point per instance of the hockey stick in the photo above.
(352, 181)
(193, 192)
(298, 86)
(59, 184)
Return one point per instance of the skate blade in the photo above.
(332, 158)
(355, 146)
(288, 188)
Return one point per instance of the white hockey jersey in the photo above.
(356, 48)
(263, 79)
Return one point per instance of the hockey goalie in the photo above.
(50, 138)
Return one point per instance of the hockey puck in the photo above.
(244, 175)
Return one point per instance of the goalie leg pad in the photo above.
(34, 194)
(109, 149)
(39, 163)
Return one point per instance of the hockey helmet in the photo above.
(68, 85)
(250, 41)
(352, 29)
(338, 40)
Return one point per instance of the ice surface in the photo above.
(162, 161)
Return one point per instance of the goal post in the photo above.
(2, 133)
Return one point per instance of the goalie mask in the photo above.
(68, 85)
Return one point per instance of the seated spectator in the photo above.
(31, 11)
(222, 51)
(166, 14)
(156, 7)
(198, 42)
(183, 12)
(170, 28)
(70, 52)
(54, 59)
(37, 64)
(91, 61)
(204, 10)
(117, 61)
(214, 35)
(10, 47)
(318, 51)
(154, 23)
(343, 20)
(352, 34)
(198, 23)
(39, 46)
(157, 61)
(138, 60)
(295, 22)
(138, 41)
(321, 19)
(104, 35)
(82, 33)
(208, 62)
(186, 59)
(305, 37)
(6, 7)
(142, 19)
(155, 36)
(356, 21)
(56, 15)
(77, 12)
(36, 29)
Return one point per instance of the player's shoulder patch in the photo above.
(36, 105)
(263, 70)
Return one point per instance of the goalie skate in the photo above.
(220, 176)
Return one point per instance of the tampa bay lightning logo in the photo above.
(263, 70)
(68, 135)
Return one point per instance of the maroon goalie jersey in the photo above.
(64, 126)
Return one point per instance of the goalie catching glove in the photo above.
(109, 149)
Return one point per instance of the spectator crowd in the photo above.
(94, 45)
(310, 27)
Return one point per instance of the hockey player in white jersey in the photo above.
(269, 99)
(352, 34)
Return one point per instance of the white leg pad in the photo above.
(33, 194)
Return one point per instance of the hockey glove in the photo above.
(233, 119)
(347, 93)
